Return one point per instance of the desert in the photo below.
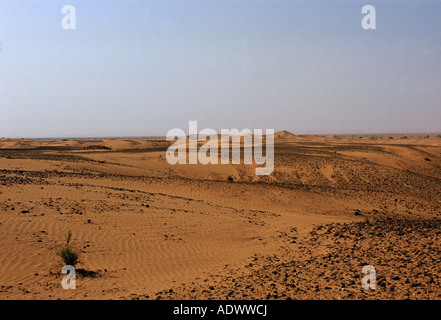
(146, 229)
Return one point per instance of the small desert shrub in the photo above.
(439, 136)
(391, 138)
(403, 137)
(67, 254)
(230, 178)
(8, 156)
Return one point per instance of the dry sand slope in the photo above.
(146, 229)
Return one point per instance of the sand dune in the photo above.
(148, 229)
(284, 136)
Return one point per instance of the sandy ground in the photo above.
(149, 230)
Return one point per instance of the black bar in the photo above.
(222, 309)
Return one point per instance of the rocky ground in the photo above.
(328, 264)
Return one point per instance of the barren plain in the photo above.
(146, 229)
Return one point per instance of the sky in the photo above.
(143, 67)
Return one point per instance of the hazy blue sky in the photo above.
(143, 67)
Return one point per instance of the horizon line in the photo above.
(164, 136)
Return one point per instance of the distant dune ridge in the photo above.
(279, 137)
(284, 136)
